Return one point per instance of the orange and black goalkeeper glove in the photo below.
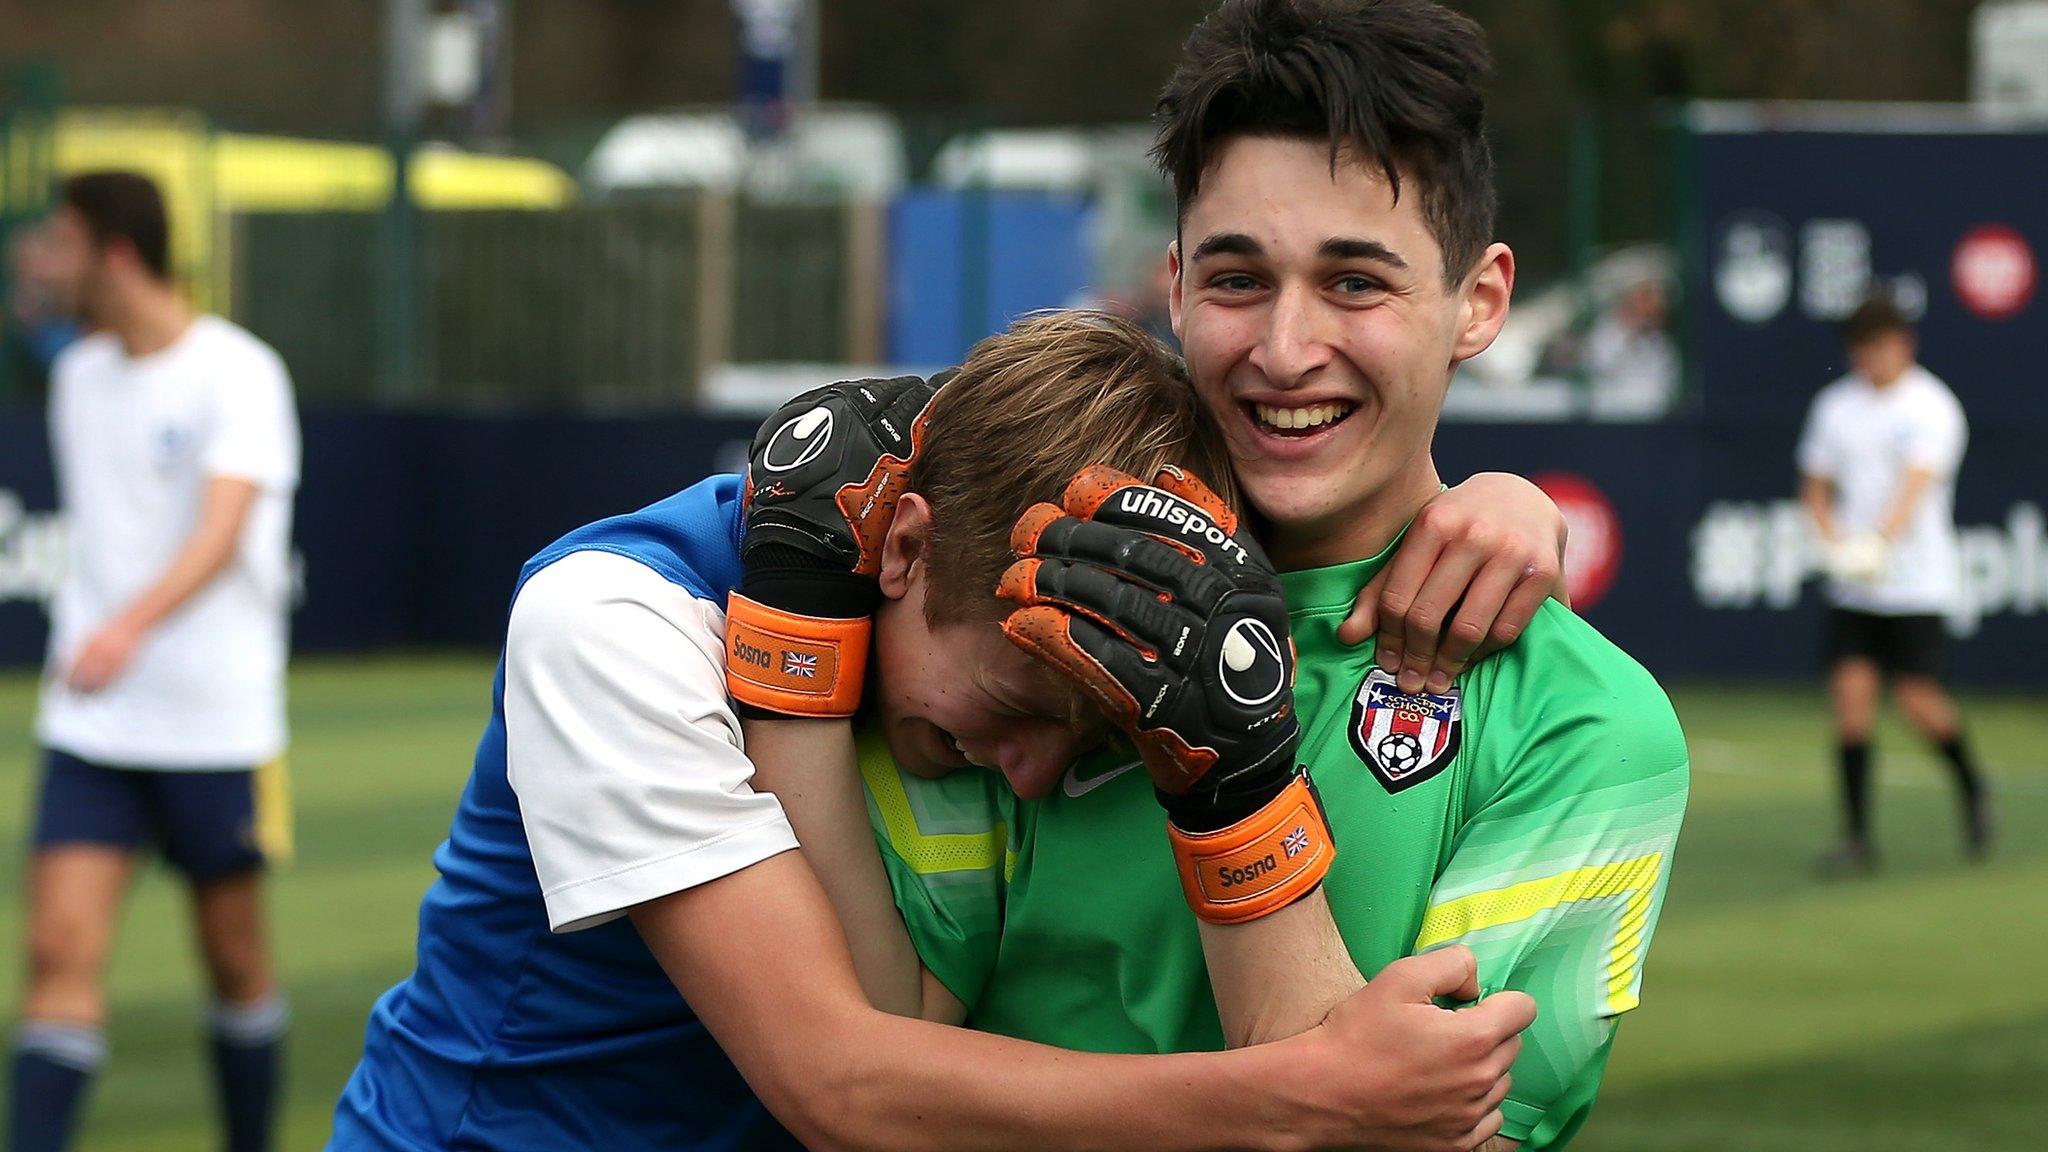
(1173, 623)
(822, 483)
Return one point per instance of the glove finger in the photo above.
(910, 410)
(1127, 688)
(889, 409)
(1034, 521)
(1110, 672)
(1135, 555)
(869, 506)
(1094, 485)
(869, 395)
(869, 502)
(1146, 619)
(893, 414)
(1173, 518)
(1188, 486)
(1021, 586)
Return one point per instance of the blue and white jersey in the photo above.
(610, 774)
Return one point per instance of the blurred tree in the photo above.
(311, 66)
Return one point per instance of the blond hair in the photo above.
(1031, 407)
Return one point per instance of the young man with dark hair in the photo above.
(162, 718)
(624, 948)
(1334, 265)
(1877, 468)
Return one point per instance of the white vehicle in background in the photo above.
(848, 150)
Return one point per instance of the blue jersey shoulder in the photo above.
(509, 1036)
(692, 538)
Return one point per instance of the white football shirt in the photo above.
(135, 440)
(621, 743)
(1863, 439)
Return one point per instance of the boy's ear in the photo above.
(1485, 306)
(905, 544)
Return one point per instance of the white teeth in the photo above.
(1315, 415)
(953, 742)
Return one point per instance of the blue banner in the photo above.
(1793, 229)
(408, 529)
(1687, 547)
(1789, 231)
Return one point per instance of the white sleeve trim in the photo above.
(602, 899)
(621, 744)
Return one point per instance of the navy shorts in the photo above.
(205, 823)
(1898, 645)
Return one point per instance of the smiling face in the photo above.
(1321, 334)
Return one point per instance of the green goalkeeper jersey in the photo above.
(1530, 814)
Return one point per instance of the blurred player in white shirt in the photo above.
(162, 715)
(1877, 466)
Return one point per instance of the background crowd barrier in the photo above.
(1687, 547)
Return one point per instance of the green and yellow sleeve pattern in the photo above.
(947, 848)
(1559, 870)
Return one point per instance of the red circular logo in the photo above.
(1592, 553)
(1993, 271)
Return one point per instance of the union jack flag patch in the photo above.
(1296, 842)
(802, 664)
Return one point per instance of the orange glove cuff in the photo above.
(1260, 864)
(794, 665)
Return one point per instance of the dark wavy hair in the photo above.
(1398, 84)
(1876, 316)
(123, 206)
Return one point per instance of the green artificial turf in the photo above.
(1906, 1012)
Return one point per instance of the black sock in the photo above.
(1968, 782)
(53, 1066)
(248, 1058)
(1855, 764)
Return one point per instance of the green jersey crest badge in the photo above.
(1404, 738)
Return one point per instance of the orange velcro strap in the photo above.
(791, 664)
(1260, 864)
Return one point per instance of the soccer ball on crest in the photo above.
(1399, 753)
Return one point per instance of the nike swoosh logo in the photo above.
(1077, 787)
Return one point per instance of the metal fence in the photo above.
(493, 283)
(500, 281)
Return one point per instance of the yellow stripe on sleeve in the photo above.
(1635, 879)
(925, 853)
